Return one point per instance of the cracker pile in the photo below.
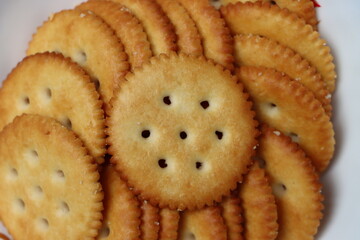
(169, 119)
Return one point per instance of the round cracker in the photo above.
(285, 27)
(206, 223)
(121, 208)
(259, 207)
(295, 185)
(216, 39)
(127, 28)
(52, 85)
(48, 182)
(157, 25)
(232, 214)
(150, 221)
(173, 122)
(72, 32)
(303, 8)
(288, 106)
(255, 50)
(188, 37)
(169, 224)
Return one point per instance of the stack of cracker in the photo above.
(169, 119)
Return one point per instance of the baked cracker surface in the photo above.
(255, 50)
(127, 28)
(287, 105)
(51, 85)
(295, 184)
(206, 223)
(216, 38)
(285, 27)
(259, 207)
(188, 36)
(174, 124)
(72, 32)
(121, 208)
(50, 185)
(169, 224)
(157, 25)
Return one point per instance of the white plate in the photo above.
(339, 24)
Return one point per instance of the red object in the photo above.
(316, 4)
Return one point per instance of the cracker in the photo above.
(157, 25)
(232, 214)
(188, 37)
(48, 182)
(205, 223)
(303, 8)
(285, 27)
(150, 221)
(254, 50)
(52, 85)
(72, 32)
(169, 224)
(295, 185)
(122, 212)
(216, 39)
(288, 106)
(127, 28)
(259, 207)
(172, 124)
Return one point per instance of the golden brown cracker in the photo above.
(169, 224)
(121, 208)
(173, 122)
(127, 28)
(259, 207)
(303, 8)
(150, 221)
(48, 182)
(216, 39)
(157, 25)
(188, 37)
(295, 184)
(285, 27)
(206, 223)
(72, 32)
(52, 85)
(288, 106)
(255, 50)
(232, 215)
